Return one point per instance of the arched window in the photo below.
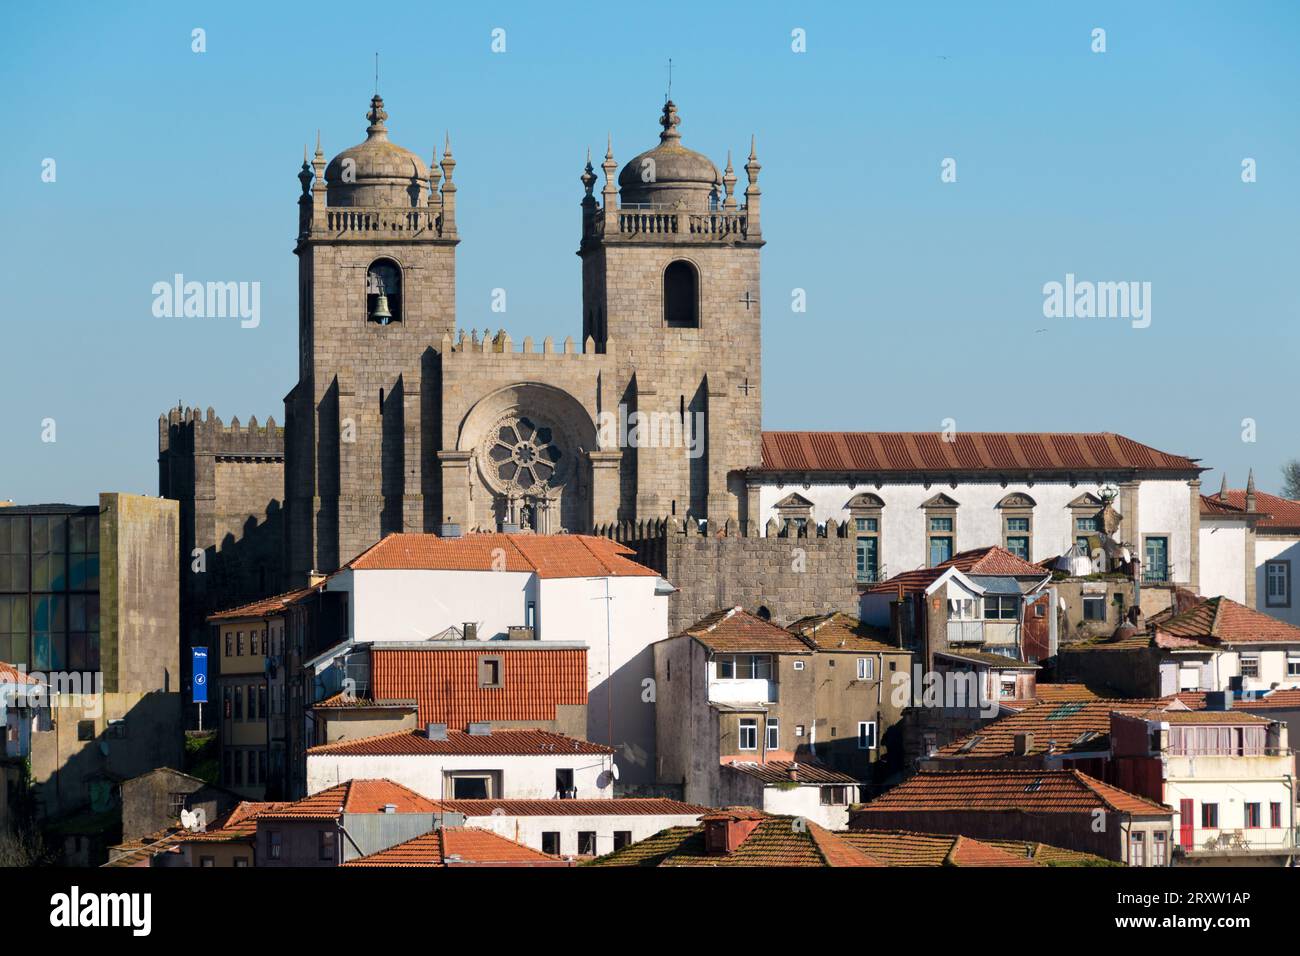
(384, 292)
(681, 296)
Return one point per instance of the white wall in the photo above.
(1165, 508)
(1281, 548)
(1223, 559)
(415, 605)
(1272, 667)
(1232, 797)
(806, 802)
(522, 777)
(528, 830)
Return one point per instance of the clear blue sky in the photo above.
(924, 298)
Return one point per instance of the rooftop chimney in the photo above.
(435, 731)
(515, 633)
(469, 631)
(726, 830)
(1023, 743)
(793, 772)
(389, 808)
(480, 729)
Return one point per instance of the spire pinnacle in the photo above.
(669, 121)
(1223, 488)
(377, 115)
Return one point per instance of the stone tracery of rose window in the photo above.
(525, 457)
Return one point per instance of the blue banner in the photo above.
(199, 675)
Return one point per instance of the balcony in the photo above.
(872, 575)
(965, 632)
(1256, 841)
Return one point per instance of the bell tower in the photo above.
(377, 287)
(670, 286)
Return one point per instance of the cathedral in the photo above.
(400, 422)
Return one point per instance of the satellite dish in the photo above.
(613, 770)
(187, 820)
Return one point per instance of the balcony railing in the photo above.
(1257, 841)
(873, 575)
(965, 632)
(1155, 575)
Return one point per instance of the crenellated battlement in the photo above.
(502, 344)
(189, 430)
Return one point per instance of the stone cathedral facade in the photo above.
(400, 421)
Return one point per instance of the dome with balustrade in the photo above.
(670, 174)
(377, 172)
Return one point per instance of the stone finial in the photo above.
(435, 176)
(752, 192)
(1250, 490)
(448, 190)
(588, 178)
(318, 171)
(772, 530)
(609, 192)
(729, 184)
(670, 120)
(377, 115)
(1223, 488)
(305, 174)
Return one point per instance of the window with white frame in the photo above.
(1293, 663)
(866, 735)
(773, 733)
(744, 666)
(1277, 583)
(748, 733)
(1250, 665)
(1001, 607)
(866, 668)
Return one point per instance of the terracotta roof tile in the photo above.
(239, 824)
(1074, 726)
(905, 848)
(1219, 620)
(843, 632)
(458, 846)
(735, 629)
(1284, 698)
(262, 607)
(535, 681)
(1283, 514)
(775, 841)
(993, 561)
(1031, 791)
(414, 743)
(353, 796)
(1000, 452)
(549, 556)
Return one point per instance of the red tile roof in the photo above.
(262, 607)
(535, 681)
(843, 632)
(237, 825)
(458, 846)
(735, 629)
(549, 556)
(414, 743)
(1284, 698)
(1283, 513)
(992, 561)
(1081, 726)
(353, 796)
(776, 841)
(617, 806)
(1204, 717)
(1031, 791)
(905, 848)
(998, 452)
(1219, 620)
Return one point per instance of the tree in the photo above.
(1291, 479)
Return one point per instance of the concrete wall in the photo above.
(528, 830)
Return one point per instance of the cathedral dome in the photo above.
(670, 174)
(377, 172)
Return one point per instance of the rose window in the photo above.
(525, 456)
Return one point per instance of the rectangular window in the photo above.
(1250, 665)
(564, 789)
(489, 672)
(1094, 608)
(1252, 815)
(273, 843)
(1019, 546)
(326, 845)
(1018, 525)
(866, 668)
(1277, 583)
(207, 861)
(476, 787)
(1159, 848)
(1157, 560)
(941, 524)
(551, 842)
(239, 644)
(1086, 526)
(867, 524)
(586, 842)
(85, 730)
(1209, 816)
(1292, 664)
(940, 549)
(773, 733)
(230, 643)
(1001, 607)
(748, 733)
(866, 735)
(1137, 846)
(834, 796)
(867, 557)
(238, 693)
(744, 666)
(622, 838)
(1275, 814)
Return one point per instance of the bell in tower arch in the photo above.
(383, 292)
